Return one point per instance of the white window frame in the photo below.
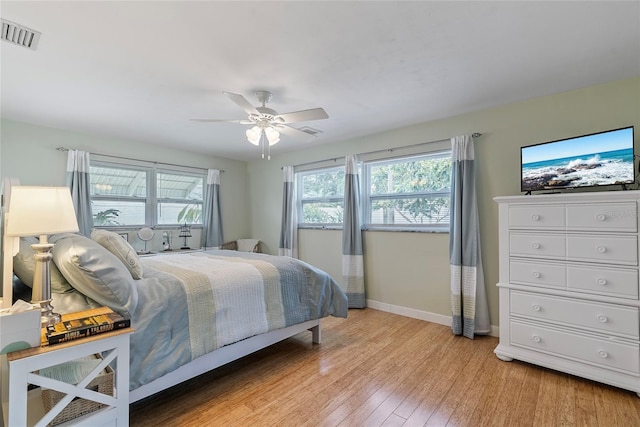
(367, 198)
(159, 200)
(148, 176)
(151, 201)
(300, 201)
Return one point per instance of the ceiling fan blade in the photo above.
(242, 102)
(303, 115)
(242, 121)
(294, 133)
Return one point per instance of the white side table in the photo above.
(24, 408)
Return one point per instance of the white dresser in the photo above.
(569, 284)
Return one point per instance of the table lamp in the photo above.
(41, 211)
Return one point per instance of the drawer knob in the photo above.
(603, 354)
(601, 249)
(535, 274)
(536, 307)
(535, 217)
(535, 245)
(603, 319)
(601, 217)
(601, 281)
(536, 338)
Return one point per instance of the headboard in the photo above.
(9, 245)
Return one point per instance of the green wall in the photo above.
(410, 271)
(29, 153)
(406, 272)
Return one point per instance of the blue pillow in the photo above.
(95, 272)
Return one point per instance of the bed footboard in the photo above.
(224, 355)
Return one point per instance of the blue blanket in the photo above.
(192, 303)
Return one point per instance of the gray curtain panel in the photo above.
(212, 216)
(289, 228)
(352, 259)
(78, 168)
(468, 296)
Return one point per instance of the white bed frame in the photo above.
(223, 356)
(198, 366)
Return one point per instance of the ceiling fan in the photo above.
(268, 123)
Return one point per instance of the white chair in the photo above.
(243, 245)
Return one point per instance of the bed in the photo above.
(192, 312)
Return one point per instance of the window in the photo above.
(408, 193)
(320, 197)
(179, 198)
(404, 193)
(118, 195)
(133, 195)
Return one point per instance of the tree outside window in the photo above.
(321, 196)
(413, 191)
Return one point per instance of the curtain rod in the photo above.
(389, 150)
(140, 160)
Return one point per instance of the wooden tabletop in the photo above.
(45, 347)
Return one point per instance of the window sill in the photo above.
(320, 227)
(123, 228)
(406, 230)
(383, 229)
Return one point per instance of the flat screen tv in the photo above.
(598, 159)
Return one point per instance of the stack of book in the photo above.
(84, 324)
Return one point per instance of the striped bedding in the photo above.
(193, 303)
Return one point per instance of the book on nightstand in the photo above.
(86, 323)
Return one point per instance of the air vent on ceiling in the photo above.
(310, 130)
(19, 35)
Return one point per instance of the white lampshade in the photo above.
(272, 135)
(37, 211)
(253, 135)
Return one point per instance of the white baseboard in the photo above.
(420, 314)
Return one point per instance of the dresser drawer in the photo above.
(537, 245)
(592, 350)
(603, 249)
(607, 281)
(603, 217)
(537, 216)
(537, 273)
(607, 318)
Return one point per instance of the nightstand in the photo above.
(23, 407)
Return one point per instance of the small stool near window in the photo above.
(243, 245)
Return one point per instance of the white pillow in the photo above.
(115, 244)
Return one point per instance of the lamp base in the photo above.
(47, 316)
(41, 291)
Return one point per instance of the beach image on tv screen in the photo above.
(600, 159)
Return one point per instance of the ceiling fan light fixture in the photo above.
(273, 136)
(253, 135)
(267, 124)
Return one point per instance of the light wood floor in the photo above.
(380, 369)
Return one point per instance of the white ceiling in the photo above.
(141, 70)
